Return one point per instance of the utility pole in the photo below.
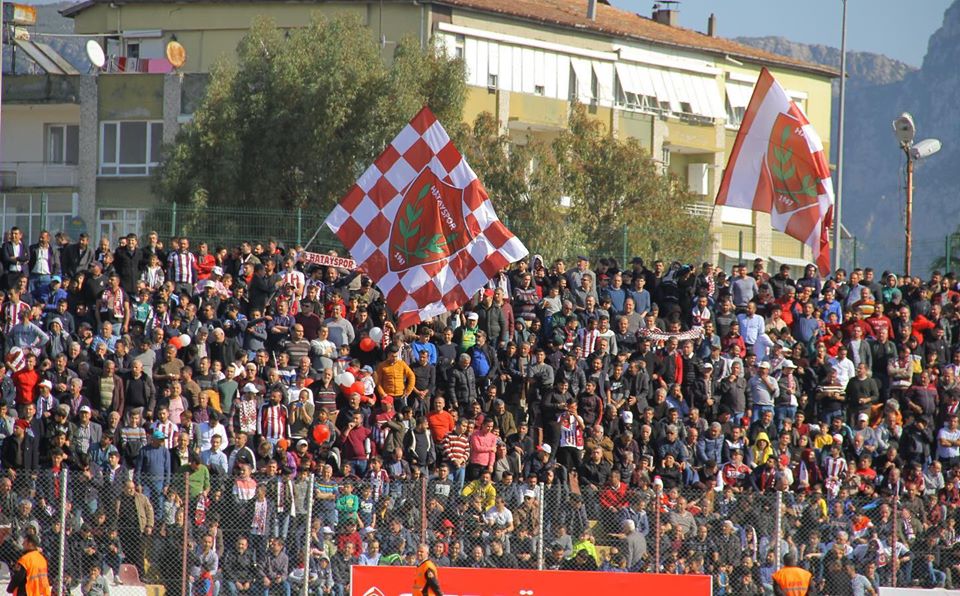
(837, 207)
(909, 229)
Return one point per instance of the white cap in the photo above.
(472, 316)
(250, 388)
(838, 439)
(764, 364)
(626, 416)
(863, 416)
(788, 364)
(546, 448)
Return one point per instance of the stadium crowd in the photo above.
(606, 416)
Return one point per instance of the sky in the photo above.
(897, 29)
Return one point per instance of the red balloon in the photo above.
(321, 433)
(367, 344)
(357, 388)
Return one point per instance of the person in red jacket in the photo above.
(205, 262)
(26, 381)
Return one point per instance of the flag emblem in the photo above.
(430, 225)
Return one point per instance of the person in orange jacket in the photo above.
(791, 580)
(426, 582)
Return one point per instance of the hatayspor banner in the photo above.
(457, 581)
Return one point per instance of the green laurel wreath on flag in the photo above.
(409, 226)
(786, 170)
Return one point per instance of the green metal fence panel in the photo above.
(228, 226)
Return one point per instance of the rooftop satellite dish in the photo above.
(95, 54)
(176, 54)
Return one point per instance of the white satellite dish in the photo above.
(95, 54)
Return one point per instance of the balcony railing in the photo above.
(36, 174)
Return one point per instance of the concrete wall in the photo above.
(24, 129)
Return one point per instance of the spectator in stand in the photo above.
(746, 384)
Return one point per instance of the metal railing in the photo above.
(29, 174)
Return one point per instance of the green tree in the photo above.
(614, 185)
(294, 119)
(523, 183)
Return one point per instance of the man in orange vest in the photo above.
(29, 577)
(791, 580)
(425, 582)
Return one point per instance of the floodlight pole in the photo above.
(837, 229)
(909, 227)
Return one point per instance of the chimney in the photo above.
(592, 10)
(666, 13)
(712, 25)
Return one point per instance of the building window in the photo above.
(115, 223)
(491, 81)
(129, 148)
(458, 46)
(133, 49)
(63, 143)
(539, 90)
(734, 114)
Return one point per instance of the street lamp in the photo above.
(905, 130)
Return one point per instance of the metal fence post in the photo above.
(299, 225)
(656, 528)
(540, 524)
(854, 252)
(947, 256)
(173, 220)
(306, 544)
(740, 246)
(423, 509)
(63, 528)
(186, 531)
(894, 563)
(778, 529)
(44, 209)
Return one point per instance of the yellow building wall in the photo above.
(124, 192)
(131, 97)
(478, 100)
(24, 129)
(542, 111)
(210, 32)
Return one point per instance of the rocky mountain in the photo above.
(879, 89)
(864, 69)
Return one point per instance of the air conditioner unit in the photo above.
(698, 180)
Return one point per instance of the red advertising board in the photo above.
(398, 581)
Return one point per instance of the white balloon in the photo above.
(185, 340)
(347, 379)
(340, 379)
(376, 334)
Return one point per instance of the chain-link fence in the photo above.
(291, 227)
(226, 226)
(196, 533)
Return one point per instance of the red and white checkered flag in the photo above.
(420, 224)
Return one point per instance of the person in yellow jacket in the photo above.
(426, 581)
(29, 576)
(394, 377)
(791, 580)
